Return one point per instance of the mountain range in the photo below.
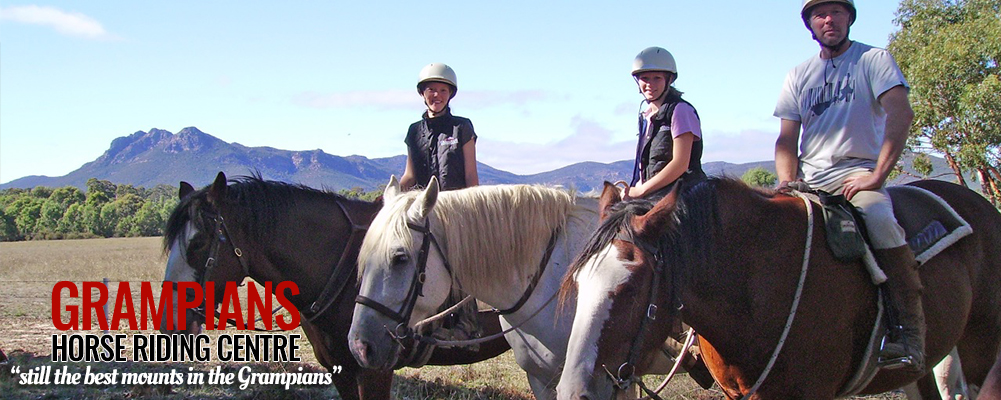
(160, 157)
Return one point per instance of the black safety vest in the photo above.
(655, 148)
(435, 146)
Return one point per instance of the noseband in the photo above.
(625, 373)
(402, 330)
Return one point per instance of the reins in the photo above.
(795, 302)
(403, 331)
(625, 374)
(332, 290)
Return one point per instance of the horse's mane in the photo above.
(487, 232)
(688, 240)
(263, 206)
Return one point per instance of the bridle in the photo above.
(331, 291)
(402, 316)
(625, 374)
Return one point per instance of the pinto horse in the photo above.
(274, 232)
(727, 260)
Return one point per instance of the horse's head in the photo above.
(403, 275)
(624, 301)
(199, 247)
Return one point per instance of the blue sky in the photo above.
(545, 84)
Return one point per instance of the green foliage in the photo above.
(360, 194)
(105, 210)
(759, 177)
(950, 51)
(922, 165)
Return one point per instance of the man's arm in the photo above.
(898, 124)
(786, 151)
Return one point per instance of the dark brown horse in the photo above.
(730, 258)
(290, 233)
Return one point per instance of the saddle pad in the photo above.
(930, 224)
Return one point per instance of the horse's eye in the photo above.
(401, 259)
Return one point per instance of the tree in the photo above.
(950, 50)
(760, 177)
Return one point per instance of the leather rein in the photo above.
(331, 290)
(625, 375)
(402, 316)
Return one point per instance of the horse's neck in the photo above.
(569, 242)
(307, 248)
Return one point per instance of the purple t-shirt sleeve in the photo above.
(684, 120)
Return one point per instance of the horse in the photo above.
(506, 245)
(727, 260)
(273, 232)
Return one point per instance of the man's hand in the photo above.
(855, 184)
(787, 186)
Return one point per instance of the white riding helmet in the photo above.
(808, 4)
(437, 72)
(654, 59)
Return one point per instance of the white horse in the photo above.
(491, 242)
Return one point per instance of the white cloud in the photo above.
(67, 23)
(746, 146)
(589, 142)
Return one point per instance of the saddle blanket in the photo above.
(930, 224)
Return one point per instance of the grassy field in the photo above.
(28, 271)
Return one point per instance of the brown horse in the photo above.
(290, 233)
(730, 259)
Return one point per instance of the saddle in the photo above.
(930, 226)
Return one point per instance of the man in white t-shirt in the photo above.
(850, 103)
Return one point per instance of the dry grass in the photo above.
(28, 271)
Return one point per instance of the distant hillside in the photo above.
(161, 157)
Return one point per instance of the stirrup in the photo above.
(905, 361)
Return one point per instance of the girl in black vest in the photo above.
(444, 146)
(440, 144)
(669, 149)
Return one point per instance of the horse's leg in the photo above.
(991, 389)
(541, 388)
(374, 385)
(949, 377)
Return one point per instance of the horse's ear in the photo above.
(392, 189)
(425, 202)
(184, 190)
(654, 222)
(218, 190)
(609, 197)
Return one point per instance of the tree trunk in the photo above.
(987, 185)
(955, 169)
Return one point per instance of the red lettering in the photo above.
(147, 305)
(210, 305)
(182, 301)
(284, 301)
(256, 303)
(231, 297)
(57, 311)
(124, 296)
(88, 304)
